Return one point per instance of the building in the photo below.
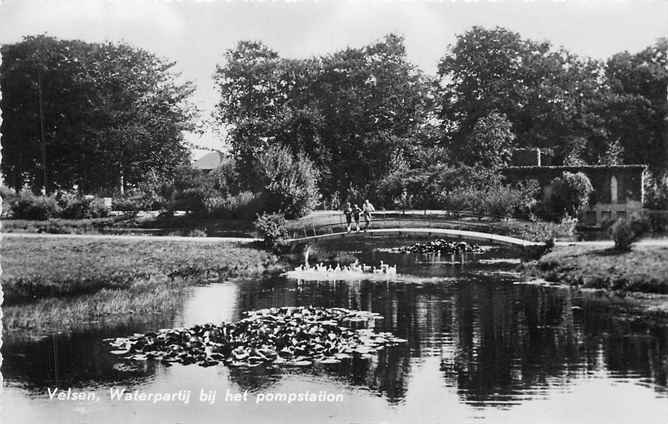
(209, 161)
(618, 189)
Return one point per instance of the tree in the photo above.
(289, 182)
(548, 96)
(110, 114)
(350, 112)
(489, 144)
(638, 108)
(567, 195)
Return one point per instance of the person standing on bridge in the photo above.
(348, 212)
(356, 217)
(367, 209)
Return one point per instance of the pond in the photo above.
(481, 348)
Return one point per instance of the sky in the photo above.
(196, 33)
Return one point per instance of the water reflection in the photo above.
(490, 343)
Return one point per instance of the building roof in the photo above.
(211, 160)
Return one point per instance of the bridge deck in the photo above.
(460, 234)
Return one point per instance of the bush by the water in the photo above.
(139, 201)
(626, 232)
(27, 205)
(475, 189)
(272, 228)
(245, 205)
(66, 205)
(289, 182)
(566, 195)
(497, 201)
(74, 206)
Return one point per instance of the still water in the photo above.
(481, 348)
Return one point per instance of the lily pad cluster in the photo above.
(443, 246)
(290, 336)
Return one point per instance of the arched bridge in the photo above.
(437, 232)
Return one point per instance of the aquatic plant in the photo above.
(443, 246)
(290, 336)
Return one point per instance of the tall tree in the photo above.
(350, 111)
(489, 144)
(549, 96)
(94, 115)
(639, 104)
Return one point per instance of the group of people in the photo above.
(353, 212)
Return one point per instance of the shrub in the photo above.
(8, 195)
(73, 206)
(197, 232)
(434, 186)
(566, 195)
(626, 232)
(191, 199)
(140, 201)
(26, 205)
(244, 205)
(289, 182)
(272, 228)
(498, 200)
(656, 192)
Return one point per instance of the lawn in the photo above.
(643, 269)
(61, 283)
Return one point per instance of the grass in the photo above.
(142, 300)
(64, 226)
(35, 268)
(640, 270)
(129, 223)
(60, 284)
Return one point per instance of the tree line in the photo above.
(101, 116)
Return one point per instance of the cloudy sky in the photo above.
(196, 33)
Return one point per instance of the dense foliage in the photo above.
(90, 115)
(353, 113)
(68, 205)
(567, 195)
(477, 190)
(272, 228)
(359, 123)
(625, 232)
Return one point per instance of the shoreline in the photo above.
(65, 284)
(638, 277)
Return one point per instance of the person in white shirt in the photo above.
(367, 209)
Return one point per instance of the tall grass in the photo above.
(37, 268)
(144, 298)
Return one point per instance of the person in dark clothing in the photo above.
(348, 212)
(356, 216)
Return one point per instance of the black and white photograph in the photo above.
(334, 211)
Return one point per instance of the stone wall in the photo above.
(605, 204)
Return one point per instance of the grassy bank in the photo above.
(152, 224)
(64, 283)
(644, 269)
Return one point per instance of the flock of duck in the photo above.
(290, 336)
(355, 267)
